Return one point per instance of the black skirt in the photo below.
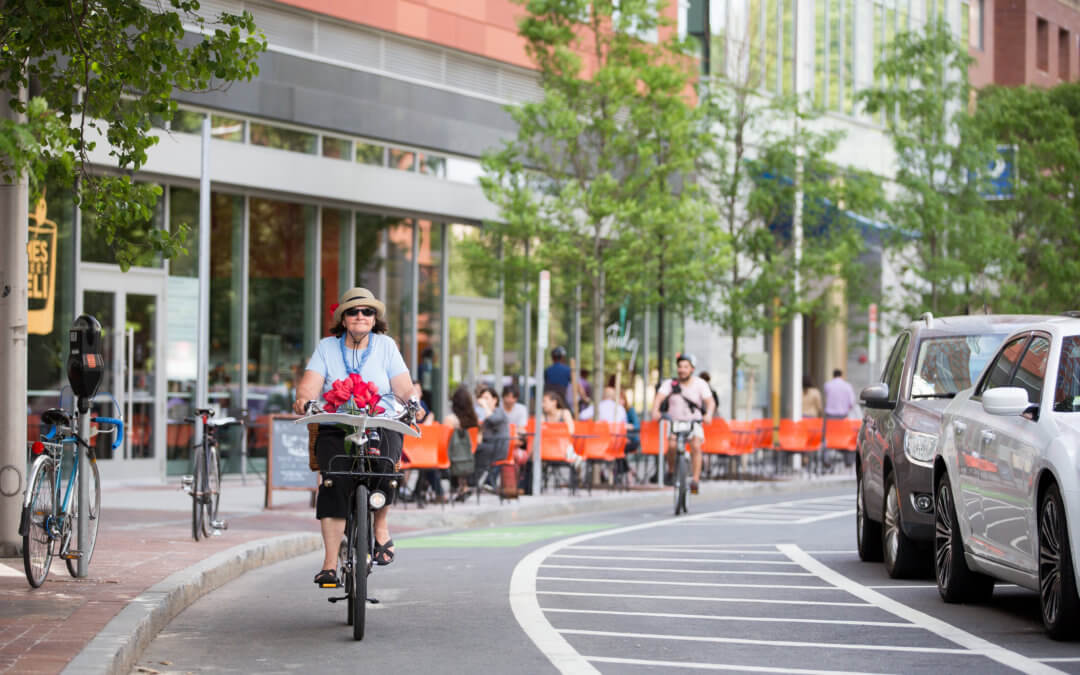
(333, 501)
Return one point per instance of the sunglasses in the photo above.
(366, 311)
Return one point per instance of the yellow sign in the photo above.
(41, 252)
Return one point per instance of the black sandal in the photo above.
(327, 579)
(382, 554)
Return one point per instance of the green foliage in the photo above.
(105, 70)
(1040, 261)
(593, 181)
(759, 160)
(945, 238)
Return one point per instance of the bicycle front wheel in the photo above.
(213, 491)
(680, 484)
(198, 491)
(361, 541)
(93, 515)
(38, 542)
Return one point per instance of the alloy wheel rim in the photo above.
(943, 527)
(1050, 561)
(892, 524)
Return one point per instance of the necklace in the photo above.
(356, 367)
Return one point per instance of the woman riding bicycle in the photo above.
(359, 345)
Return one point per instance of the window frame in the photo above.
(984, 379)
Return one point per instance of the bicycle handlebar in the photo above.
(119, 424)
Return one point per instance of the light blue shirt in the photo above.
(383, 363)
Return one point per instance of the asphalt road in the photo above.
(770, 584)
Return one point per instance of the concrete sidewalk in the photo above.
(146, 568)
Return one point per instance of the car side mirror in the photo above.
(1005, 401)
(876, 396)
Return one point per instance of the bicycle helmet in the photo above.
(689, 358)
(558, 353)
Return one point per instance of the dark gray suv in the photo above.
(931, 360)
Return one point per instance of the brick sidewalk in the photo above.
(42, 629)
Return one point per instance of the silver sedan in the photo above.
(1007, 477)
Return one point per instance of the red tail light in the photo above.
(37, 448)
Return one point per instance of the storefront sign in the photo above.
(41, 280)
(618, 337)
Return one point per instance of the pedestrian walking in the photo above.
(839, 402)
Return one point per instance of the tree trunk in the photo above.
(734, 368)
(599, 318)
(660, 337)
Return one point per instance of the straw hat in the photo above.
(358, 297)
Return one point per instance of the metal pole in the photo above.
(797, 239)
(83, 563)
(14, 269)
(203, 362)
(541, 345)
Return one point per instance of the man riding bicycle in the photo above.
(683, 399)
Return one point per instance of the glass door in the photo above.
(474, 353)
(129, 308)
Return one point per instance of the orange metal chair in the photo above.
(792, 437)
(430, 451)
(718, 440)
(592, 442)
(556, 439)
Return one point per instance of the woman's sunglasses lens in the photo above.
(366, 311)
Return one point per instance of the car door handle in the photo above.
(987, 436)
(959, 427)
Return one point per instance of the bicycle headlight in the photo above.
(377, 500)
(919, 446)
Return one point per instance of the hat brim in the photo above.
(380, 308)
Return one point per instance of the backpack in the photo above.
(461, 455)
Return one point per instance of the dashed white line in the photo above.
(730, 561)
(695, 598)
(719, 666)
(740, 618)
(668, 570)
(767, 643)
(703, 584)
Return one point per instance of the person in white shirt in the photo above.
(688, 398)
(607, 410)
(515, 411)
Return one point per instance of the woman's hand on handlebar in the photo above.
(306, 407)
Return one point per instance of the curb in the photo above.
(118, 646)
(511, 514)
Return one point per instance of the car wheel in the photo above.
(955, 580)
(1057, 583)
(902, 556)
(867, 530)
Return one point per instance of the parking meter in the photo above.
(85, 366)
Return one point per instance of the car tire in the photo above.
(867, 530)
(1058, 601)
(956, 582)
(903, 557)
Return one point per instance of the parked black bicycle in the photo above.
(365, 471)
(204, 483)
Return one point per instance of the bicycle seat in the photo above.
(57, 417)
(223, 421)
(209, 412)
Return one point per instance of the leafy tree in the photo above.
(759, 159)
(1041, 261)
(106, 70)
(595, 164)
(945, 238)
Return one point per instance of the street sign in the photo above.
(542, 311)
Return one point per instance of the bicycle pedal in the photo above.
(187, 483)
(344, 597)
(373, 601)
(71, 555)
(329, 585)
(219, 524)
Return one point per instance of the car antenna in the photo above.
(928, 317)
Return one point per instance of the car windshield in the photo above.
(945, 365)
(1067, 391)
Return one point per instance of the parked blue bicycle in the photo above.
(50, 510)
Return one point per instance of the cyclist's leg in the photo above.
(671, 453)
(696, 458)
(332, 502)
(333, 529)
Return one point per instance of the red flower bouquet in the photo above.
(353, 394)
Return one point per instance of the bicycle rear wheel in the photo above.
(37, 542)
(198, 490)
(361, 542)
(212, 495)
(93, 515)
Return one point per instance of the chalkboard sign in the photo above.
(287, 457)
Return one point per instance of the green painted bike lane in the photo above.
(498, 537)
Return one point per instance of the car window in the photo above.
(895, 369)
(1000, 370)
(1067, 390)
(945, 365)
(1032, 368)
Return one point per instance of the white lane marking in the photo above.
(660, 549)
(1060, 659)
(888, 586)
(724, 548)
(7, 571)
(706, 584)
(973, 643)
(835, 514)
(766, 643)
(668, 570)
(695, 598)
(721, 617)
(673, 665)
(736, 561)
(526, 605)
